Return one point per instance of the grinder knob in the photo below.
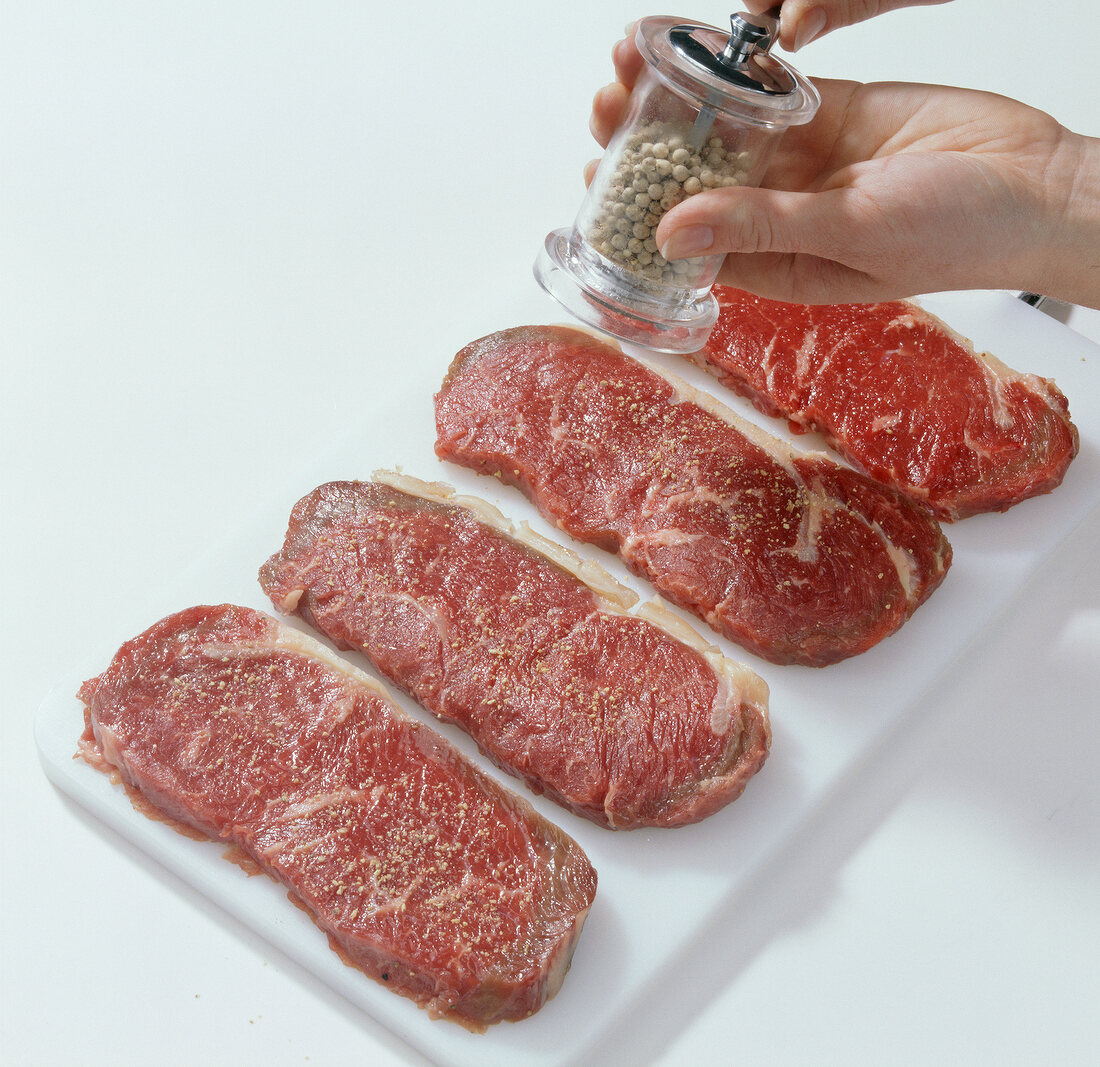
(748, 34)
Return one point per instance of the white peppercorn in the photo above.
(657, 168)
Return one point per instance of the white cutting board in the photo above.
(662, 895)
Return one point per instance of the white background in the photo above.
(236, 235)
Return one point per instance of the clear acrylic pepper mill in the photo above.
(707, 111)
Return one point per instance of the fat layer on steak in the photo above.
(606, 712)
(793, 556)
(422, 871)
(900, 394)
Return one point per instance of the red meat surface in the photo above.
(794, 557)
(605, 712)
(901, 395)
(424, 873)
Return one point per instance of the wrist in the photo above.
(1067, 265)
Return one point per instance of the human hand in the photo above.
(803, 21)
(894, 190)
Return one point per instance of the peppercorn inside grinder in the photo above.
(707, 111)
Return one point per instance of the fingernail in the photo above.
(688, 241)
(809, 26)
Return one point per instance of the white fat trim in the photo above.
(886, 422)
(590, 331)
(999, 372)
(667, 537)
(609, 591)
(818, 504)
(903, 562)
(685, 393)
(289, 603)
(738, 683)
(803, 361)
(611, 596)
(292, 640)
(319, 802)
(813, 515)
(1002, 412)
(658, 613)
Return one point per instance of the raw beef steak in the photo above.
(901, 395)
(605, 712)
(796, 558)
(424, 873)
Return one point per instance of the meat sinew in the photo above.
(423, 872)
(901, 395)
(794, 557)
(608, 713)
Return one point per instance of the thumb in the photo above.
(741, 220)
(809, 248)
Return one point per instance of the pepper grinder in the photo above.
(707, 111)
